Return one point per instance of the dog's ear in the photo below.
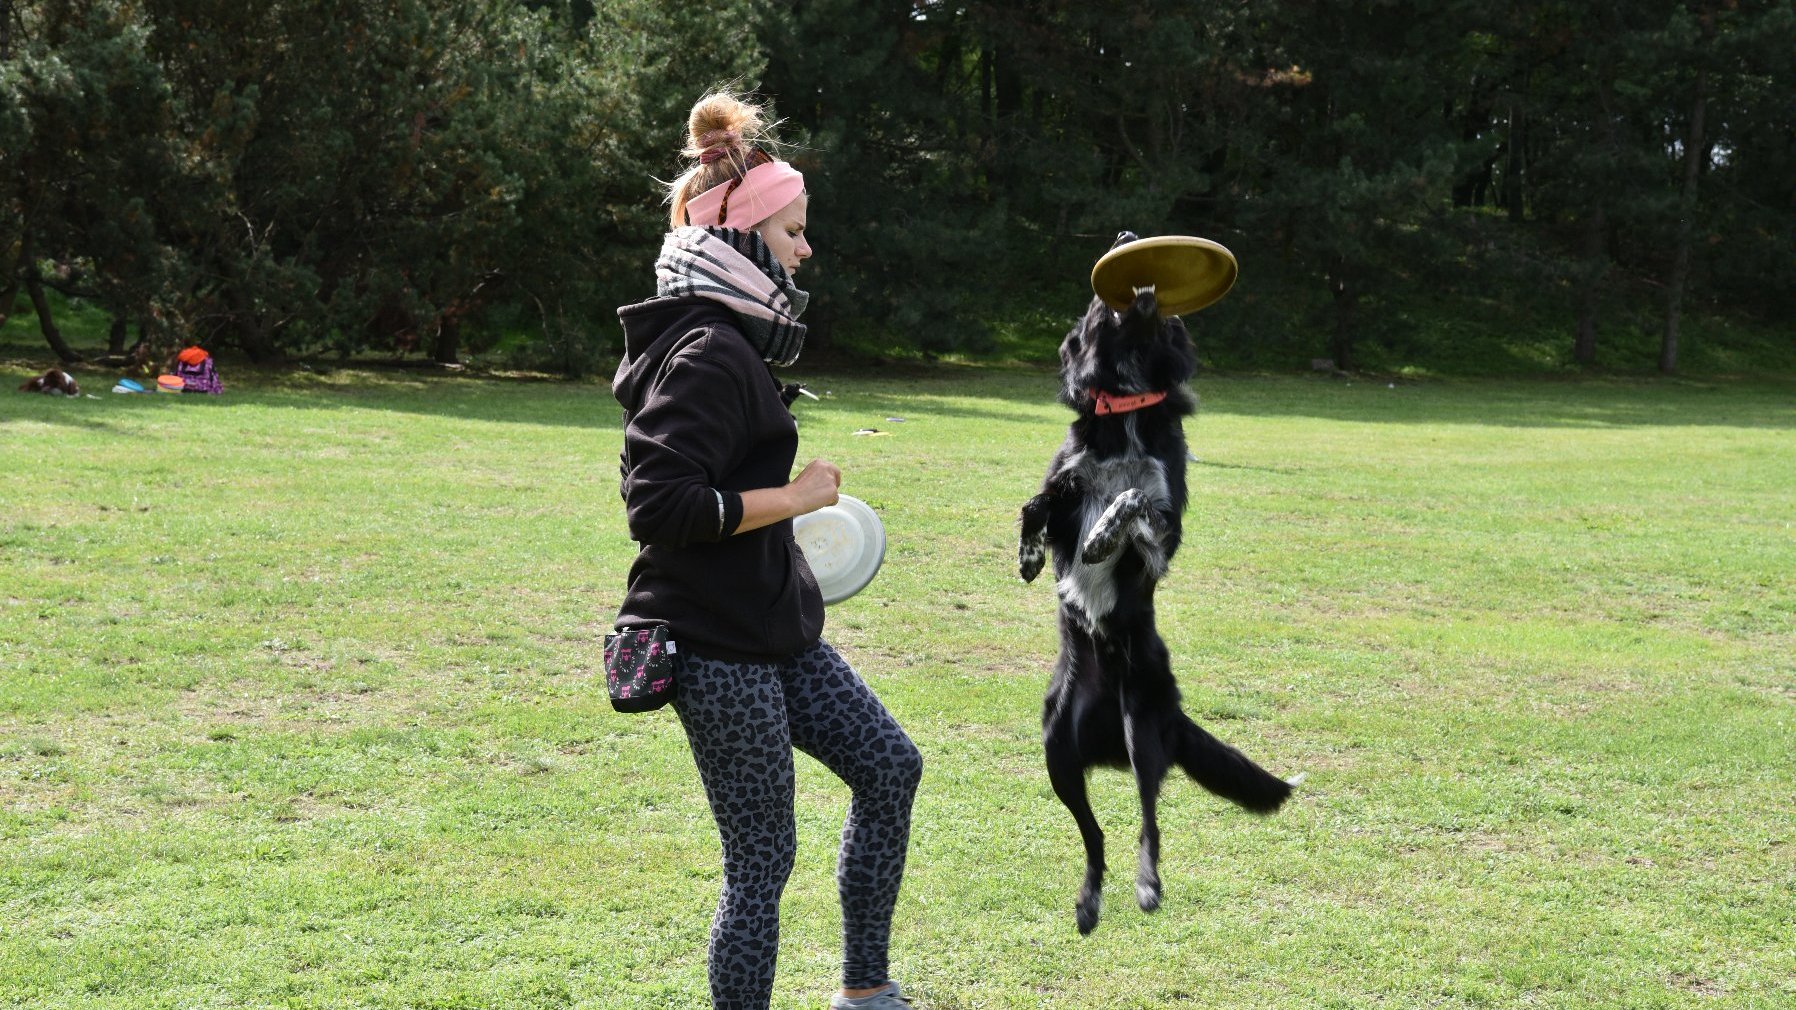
(1086, 324)
(1181, 363)
(1072, 351)
(1121, 237)
(1084, 331)
(1070, 346)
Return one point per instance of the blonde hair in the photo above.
(725, 128)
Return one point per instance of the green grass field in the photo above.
(297, 702)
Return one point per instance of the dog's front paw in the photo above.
(1032, 543)
(1102, 544)
(1106, 535)
(1098, 550)
(1031, 554)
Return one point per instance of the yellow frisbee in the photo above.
(1187, 273)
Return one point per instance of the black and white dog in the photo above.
(1110, 511)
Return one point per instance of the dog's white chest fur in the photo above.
(1091, 589)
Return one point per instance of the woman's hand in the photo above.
(815, 487)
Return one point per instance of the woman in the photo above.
(709, 446)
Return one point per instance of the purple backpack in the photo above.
(199, 378)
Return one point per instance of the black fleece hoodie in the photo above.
(704, 422)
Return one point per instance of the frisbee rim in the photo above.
(870, 545)
(1205, 258)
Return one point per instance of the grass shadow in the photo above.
(1005, 394)
(1540, 403)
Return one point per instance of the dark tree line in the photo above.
(288, 177)
(1354, 149)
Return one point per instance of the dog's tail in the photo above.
(1227, 772)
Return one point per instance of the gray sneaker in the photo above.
(885, 999)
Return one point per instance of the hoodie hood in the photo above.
(653, 331)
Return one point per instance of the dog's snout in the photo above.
(1146, 304)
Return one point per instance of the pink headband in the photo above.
(745, 202)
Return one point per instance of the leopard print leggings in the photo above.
(743, 719)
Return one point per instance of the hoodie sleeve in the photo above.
(690, 430)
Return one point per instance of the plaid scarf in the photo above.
(736, 268)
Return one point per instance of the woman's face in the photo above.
(784, 234)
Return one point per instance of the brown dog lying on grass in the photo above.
(55, 382)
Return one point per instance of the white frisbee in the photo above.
(844, 544)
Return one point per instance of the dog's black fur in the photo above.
(1110, 511)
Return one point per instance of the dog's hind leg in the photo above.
(1066, 773)
(1144, 735)
(1224, 770)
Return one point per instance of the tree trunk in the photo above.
(985, 86)
(139, 354)
(1346, 298)
(46, 321)
(947, 59)
(260, 349)
(1599, 191)
(1596, 266)
(7, 297)
(115, 340)
(1470, 189)
(1513, 166)
(1007, 84)
(1680, 258)
(448, 342)
(135, 356)
(252, 334)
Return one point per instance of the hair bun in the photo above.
(722, 124)
(716, 144)
(727, 135)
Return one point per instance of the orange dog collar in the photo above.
(1112, 403)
